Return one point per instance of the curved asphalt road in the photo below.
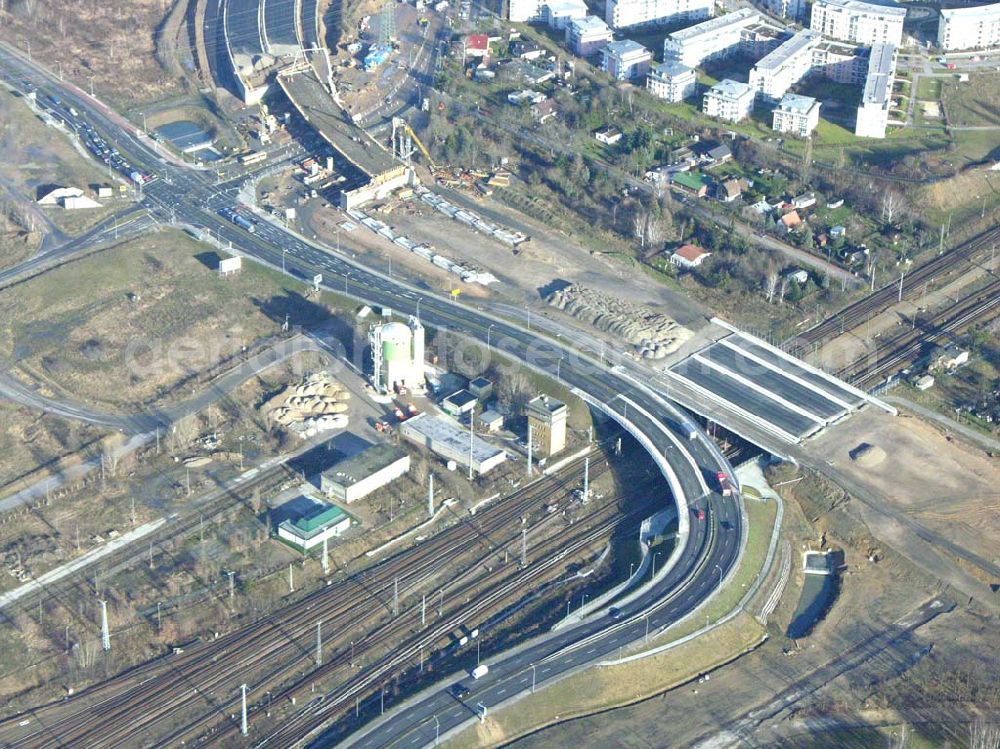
(711, 550)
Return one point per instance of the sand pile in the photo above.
(868, 456)
(654, 334)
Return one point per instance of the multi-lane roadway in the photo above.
(710, 549)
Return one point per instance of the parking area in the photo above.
(764, 386)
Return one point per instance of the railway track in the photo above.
(914, 286)
(338, 703)
(106, 715)
(906, 346)
(80, 585)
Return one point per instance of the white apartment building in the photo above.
(873, 113)
(855, 21)
(969, 28)
(559, 13)
(716, 37)
(623, 14)
(773, 75)
(728, 100)
(587, 36)
(526, 11)
(672, 81)
(626, 60)
(798, 115)
(840, 62)
(793, 9)
(760, 39)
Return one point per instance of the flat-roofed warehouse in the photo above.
(358, 476)
(451, 441)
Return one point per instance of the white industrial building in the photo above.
(728, 100)
(397, 356)
(672, 81)
(873, 113)
(716, 37)
(969, 28)
(358, 476)
(798, 115)
(452, 441)
(855, 21)
(623, 14)
(311, 521)
(625, 60)
(777, 72)
(587, 36)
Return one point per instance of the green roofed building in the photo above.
(693, 184)
(316, 523)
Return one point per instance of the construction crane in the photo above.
(401, 128)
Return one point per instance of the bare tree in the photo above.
(639, 226)
(659, 227)
(984, 735)
(771, 284)
(893, 203)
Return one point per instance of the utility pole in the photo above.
(586, 480)
(291, 580)
(232, 589)
(319, 643)
(899, 297)
(430, 495)
(325, 559)
(472, 432)
(395, 596)
(423, 610)
(524, 547)
(244, 728)
(530, 446)
(105, 631)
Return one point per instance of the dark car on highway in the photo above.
(459, 691)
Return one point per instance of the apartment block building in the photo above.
(856, 21)
(624, 14)
(797, 115)
(969, 28)
(672, 81)
(873, 113)
(587, 36)
(716, 37)
(728, 100)
(626, 60)
(777, 72)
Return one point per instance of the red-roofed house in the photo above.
(477, 45)
(689, 256)
(790, 220)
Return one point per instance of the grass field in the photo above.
(125, 326)
(976, 103)
(112, 42)
(44, 158)
(605, 687)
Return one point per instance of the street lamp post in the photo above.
(491, 326)
(419, 299)
(437, 731)
(532, 678)
(283, 253)
(654, 563)
(719, 568)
